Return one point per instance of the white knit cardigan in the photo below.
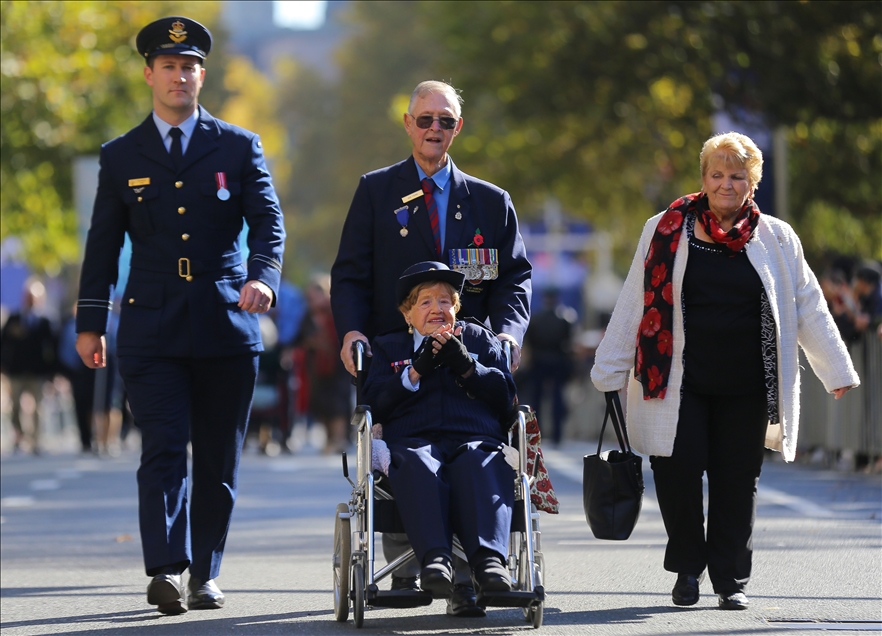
(801, 317)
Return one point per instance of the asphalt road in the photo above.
(70, 561)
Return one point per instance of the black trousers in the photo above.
(721, 435)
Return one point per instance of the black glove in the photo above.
(455, 356)
(424, 359)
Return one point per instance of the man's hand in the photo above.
(256, 297)
(346, 351)
(841, 391)
(515, 350)
(92, 349)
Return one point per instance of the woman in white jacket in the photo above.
(738, 285)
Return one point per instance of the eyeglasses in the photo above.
(425, 121)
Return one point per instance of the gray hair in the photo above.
(435, 86)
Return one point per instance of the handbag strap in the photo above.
(614, 411)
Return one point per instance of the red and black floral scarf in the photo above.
(655, 339)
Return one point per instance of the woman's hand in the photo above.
(840, 392)
(454, 354)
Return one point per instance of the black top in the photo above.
(722, 320)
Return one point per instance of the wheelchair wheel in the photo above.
(534, 613)
(342, 557)
(358, 600)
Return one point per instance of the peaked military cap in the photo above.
(174, 35)
(427, 271)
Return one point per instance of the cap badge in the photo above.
(177, 34)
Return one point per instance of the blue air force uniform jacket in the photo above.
(187, 270)
(373, 253)
(444, 405)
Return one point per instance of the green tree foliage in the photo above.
(70, 79)
(605, 105)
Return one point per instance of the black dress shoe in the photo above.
(204, 594)
(734, 601)
(166, 591)
(463, 603)
(437, 574)
(405, 583)
(491, 575)
(685, 592)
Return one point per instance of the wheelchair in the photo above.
(371, 509)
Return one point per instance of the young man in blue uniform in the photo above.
(181, 185)
(425, 209)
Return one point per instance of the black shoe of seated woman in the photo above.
(490, 574)
(734, 601)
(437, 573)
(464, 603)
(685, 591)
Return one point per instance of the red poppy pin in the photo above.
(478, 240)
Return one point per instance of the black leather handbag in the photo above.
(612, 481)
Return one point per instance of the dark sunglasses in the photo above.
(425, 121)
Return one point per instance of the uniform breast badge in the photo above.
(220, 178)
(402, 215)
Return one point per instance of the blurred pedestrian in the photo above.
(28, 358)
(81, 378)
(181, 184)
(868, 295)
(717, 299)
(550, 342)
(329, 386)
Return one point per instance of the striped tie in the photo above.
(428, 188)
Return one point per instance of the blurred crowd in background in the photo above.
(304, 396)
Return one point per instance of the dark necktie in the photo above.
(177, 149)
(428, 189)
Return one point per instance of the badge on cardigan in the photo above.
(477, 264)
(402, 215)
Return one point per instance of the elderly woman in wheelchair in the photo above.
(442, 391)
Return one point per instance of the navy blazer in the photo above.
(179, 226)
(373, 254)
(443, 404)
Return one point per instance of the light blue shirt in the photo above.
(187, 127)
(441, 195)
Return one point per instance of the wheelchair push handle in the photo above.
(359, 356)
(506, 349)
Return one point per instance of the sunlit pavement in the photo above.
(71, 559)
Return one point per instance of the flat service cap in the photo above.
(174, 35)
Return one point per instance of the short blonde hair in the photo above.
(411, 299)
(737, 149)
(434, 86)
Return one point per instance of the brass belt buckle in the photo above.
(184, 269)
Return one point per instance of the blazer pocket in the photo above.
(141, 312)
(220, 213)
(139, 202)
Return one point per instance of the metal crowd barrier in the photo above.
(849, 428)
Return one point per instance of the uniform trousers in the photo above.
(205, 401)
(447, 486)
(723, 436)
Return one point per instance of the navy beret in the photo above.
(174, 35)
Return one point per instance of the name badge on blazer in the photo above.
(144, 181)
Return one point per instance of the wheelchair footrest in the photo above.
(398, 598)
(515, 598)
